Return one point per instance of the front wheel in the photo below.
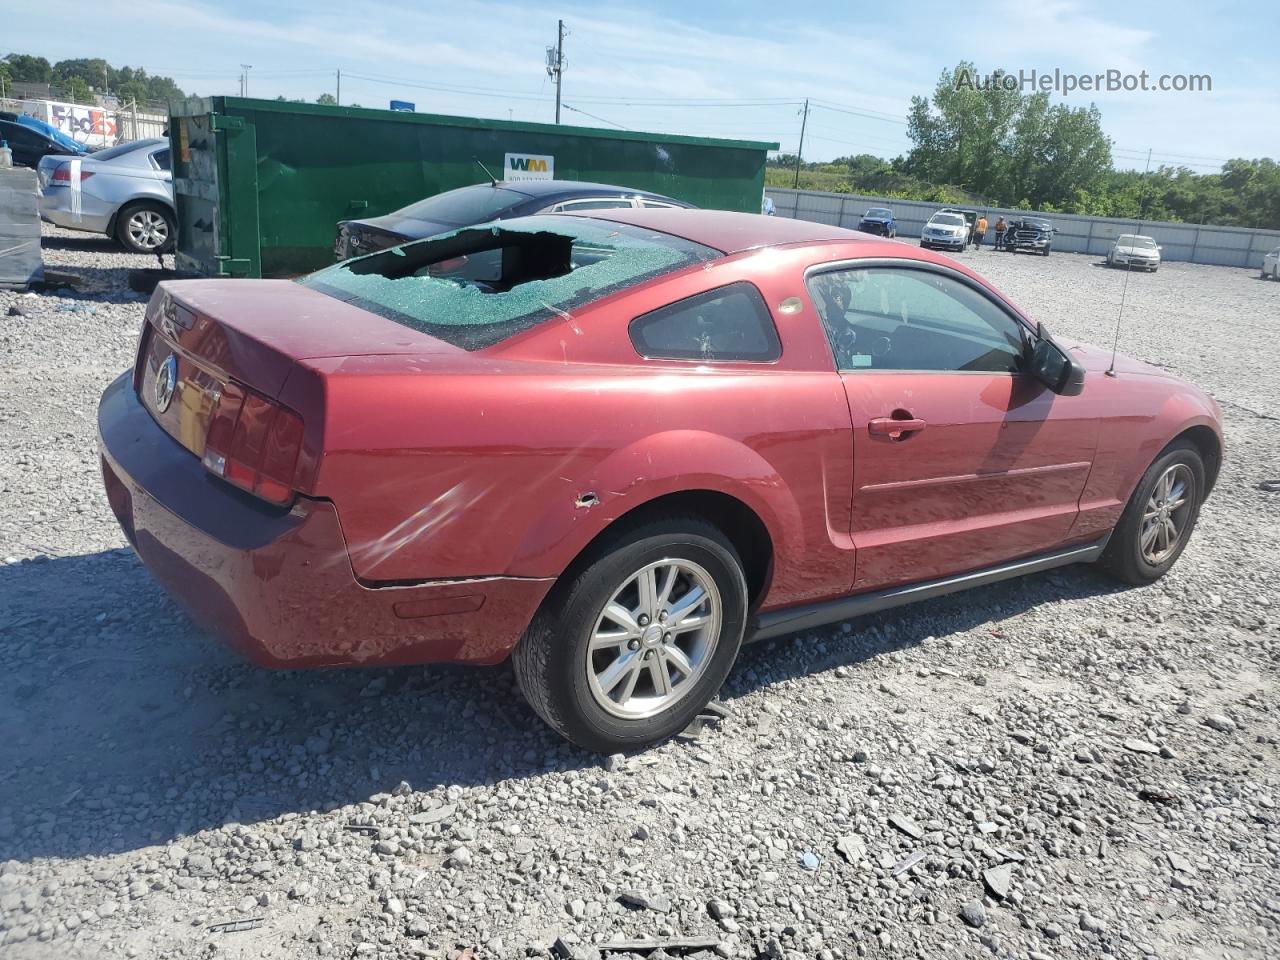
(627, 651)
(1158, 520)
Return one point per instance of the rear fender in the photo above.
(675, 461)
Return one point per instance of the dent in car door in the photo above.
(960, 461)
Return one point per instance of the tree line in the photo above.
(77, 80)
(1002, 147)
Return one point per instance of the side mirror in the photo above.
(1055, 368)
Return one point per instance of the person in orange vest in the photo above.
(1001, 229)
(979, 230)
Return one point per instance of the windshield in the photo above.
(947, 220)
(478, 286)
(456, 208)
(1129, 240)
(881, 212)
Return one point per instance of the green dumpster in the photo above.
(261, 184)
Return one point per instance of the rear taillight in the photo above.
(253, 442)
(63, 174)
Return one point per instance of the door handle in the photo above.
(894, 429)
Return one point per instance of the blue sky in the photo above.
(712, 68)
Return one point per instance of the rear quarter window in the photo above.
(730, 323)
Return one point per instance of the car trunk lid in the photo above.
(215, 357)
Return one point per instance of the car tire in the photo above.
(146, 227)
(565, 670)
(1129, 557)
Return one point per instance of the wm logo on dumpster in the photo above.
(529, 166)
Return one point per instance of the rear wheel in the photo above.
(146, 228)
(1158, 520)
(627, 651)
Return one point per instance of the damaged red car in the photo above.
(616, 447)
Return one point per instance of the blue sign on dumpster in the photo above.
(404, 106)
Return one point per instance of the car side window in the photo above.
(161, 159)
(730, 323)
(657, 204)
(891, 318)
(18, 136)
(598, 203)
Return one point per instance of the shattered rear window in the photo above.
(478, 286)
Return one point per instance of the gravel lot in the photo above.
(1047, 768)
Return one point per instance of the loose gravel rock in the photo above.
(971, 776)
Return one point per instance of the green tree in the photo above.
(326, 100)
(28, 69)
(985, 134)
(77, 91)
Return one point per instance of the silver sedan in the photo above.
(125, 192)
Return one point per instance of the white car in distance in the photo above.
(1134, 252)
(950, 231)
(1271, 265)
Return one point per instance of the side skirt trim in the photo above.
(777, 623)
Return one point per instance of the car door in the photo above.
(961, 460)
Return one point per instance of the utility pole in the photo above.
(555, 63)
(244, 79)
(804, 122)
(338, 97)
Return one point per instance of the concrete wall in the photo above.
(1197, 243)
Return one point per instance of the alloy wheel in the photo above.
(1164, 519)
(148, 229)
(654, 639)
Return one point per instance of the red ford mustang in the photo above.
(616, 447)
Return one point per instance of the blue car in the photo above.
(880, 221)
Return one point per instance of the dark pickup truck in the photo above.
(1029, 233)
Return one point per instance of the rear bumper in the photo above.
(277, 584)
(55, 207)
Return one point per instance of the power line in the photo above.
(885, 118)
(594, 117)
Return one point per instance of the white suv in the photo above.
(947, 230)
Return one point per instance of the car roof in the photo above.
(547, 188)
(725, 230)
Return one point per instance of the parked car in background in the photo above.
(946, 230)
(970, 217)
(29, 145)
(1029, 233)
(486, 201)
(597, 445)
(124, 191)
(69, 145)
(880, 222)
(1271, 265)
(1134, 252)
